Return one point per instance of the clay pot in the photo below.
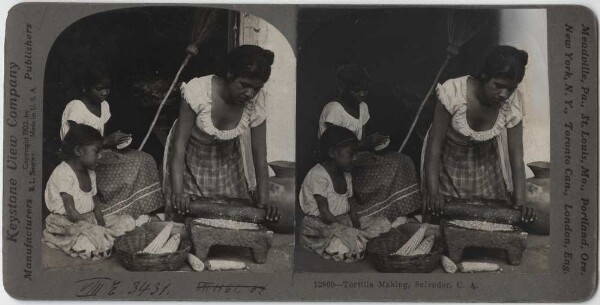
(282, 190)
(283, 169)
(538, 197)
(540, 169)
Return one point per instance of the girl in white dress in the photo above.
(76, 224)
(331, 226)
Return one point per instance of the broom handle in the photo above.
(414, 123)
(162, 104)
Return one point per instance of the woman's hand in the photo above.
(181, 203)
(528, 214)
(116, 138)
(434, 203)
(272, 212)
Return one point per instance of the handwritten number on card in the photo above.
(97, 287)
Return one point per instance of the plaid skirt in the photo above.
(471, 170)
(128, 183)
(386, 184)
(213, 168)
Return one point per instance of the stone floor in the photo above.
(535, 260)
(280, 258)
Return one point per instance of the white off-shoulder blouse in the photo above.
(198, 94)
(453, 95)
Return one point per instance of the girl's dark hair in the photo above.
(78, 135)
(335, 137)
(352, 76)
(247, 61)
(504, 62)
(91, 73)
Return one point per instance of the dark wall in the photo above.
(402, 49)
(138, 45)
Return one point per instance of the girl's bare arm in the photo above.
(69, 203)
(98, 211)
(323, 206)
(259, 156)
(181, 136)
(435, 142)
(354, 202)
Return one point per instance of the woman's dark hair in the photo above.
(91, 73)
(504, 62)
(78, 135)
(352, 76)
(247, 61)
(335, 137)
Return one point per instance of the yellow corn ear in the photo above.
(171, 245)
(195, 262)
(159, 241)
(221, 264)
(424, 247)
(448, 264)
(478, 267)
(413, 242)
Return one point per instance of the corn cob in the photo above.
(195, 262)
(424, 247)
(478, 267)
(159, 241)
(413, 242)
(482, 225)
(399, 221)
(227, 224)
(171, 245)
(448, 264)
(221, 264)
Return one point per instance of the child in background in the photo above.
(331, 226)
(76, 224)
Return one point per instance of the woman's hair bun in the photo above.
(269, 56)
(524, 57)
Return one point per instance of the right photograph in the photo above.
(423, 141)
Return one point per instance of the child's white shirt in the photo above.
(79, 113)
(64, 180)
(334, 113)
(318, 182)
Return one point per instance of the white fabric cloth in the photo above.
(453, 95)
(318, 182)
(334, 113)
(77, 111)
(198, 94)
(64, 180)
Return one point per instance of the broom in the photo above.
(205, 24)
(462, 26)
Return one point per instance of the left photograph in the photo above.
(169, 143)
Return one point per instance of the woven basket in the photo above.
(380, 249)
(127, 249)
